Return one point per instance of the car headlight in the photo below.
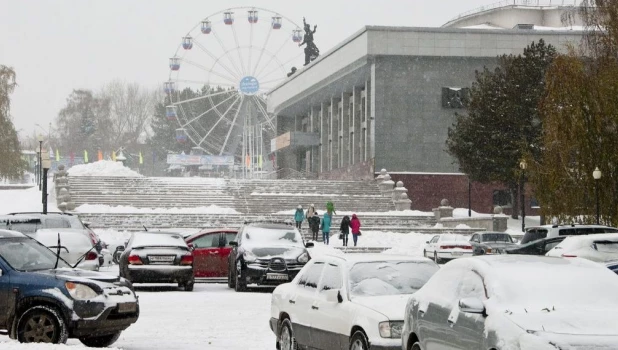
(248, 256)
(80, 291)
(390, 329)
(303, 258)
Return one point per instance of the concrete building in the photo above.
(385, 97)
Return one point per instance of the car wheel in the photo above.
(101, 341)
(230, 279)
(424, 253)
(286, 336)
(436, 259)
(416, 346)
(241, 280)
(188, 286)
(42, 324)
(359, 341)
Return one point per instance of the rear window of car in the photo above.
(580, 231)
(141, 240)
(534, 235)
(25, 226)
(496, 237)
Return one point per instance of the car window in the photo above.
(25, 226)
(497, 237)
(28, 255)
(56, 223)
(434, 239)
(443, 287)
(311, 277)
(228, 238)
(534, 235)
(472, 286)
(550, 245)
(332, 278)
(389, 277)
(475, 238)
(207, 241)
(269, 236)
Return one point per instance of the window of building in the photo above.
(502, 198)
(455, 97)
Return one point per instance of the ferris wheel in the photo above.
(219, 76)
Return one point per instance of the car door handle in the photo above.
(292, 301)
(212, 253)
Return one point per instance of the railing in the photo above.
(505, 3)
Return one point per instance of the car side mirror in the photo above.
(233, 243)
(309, 245)
(427, 242)
(86, 224)
(190, 245)
(471, 306)
(333, 296)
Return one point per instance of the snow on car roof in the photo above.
(10, 234)
(68, 237)
(352, 259)
(144, 239)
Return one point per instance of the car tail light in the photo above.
(92, 256)
(488, 250)
(456, 246)
(135, 260)
(569, 256)
(467, 247)
(186, 260)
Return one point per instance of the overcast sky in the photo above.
(60, 45)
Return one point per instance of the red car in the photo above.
(210, 253)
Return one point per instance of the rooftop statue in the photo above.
(311, 51)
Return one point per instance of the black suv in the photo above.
(42, 299)
(266, 253)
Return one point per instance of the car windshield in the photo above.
(606, 246)
(269, 236)
(25, 254)
(141, 240)
(389, 277)
(497, 237)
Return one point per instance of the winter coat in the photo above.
(326, 222)
(314, 223)
(309, 214)
(345, 225)
(299, 215)
(355, 225)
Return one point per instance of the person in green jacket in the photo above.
(299, 216)
(326, 222)
(330, 208)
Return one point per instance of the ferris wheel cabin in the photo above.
(228, 18)
(169, 87)
(175, 63)
(297, 35)
(276, 24)
(170, 112)
(187, 43)
(206, 27)
(252, 16)
(181, 135)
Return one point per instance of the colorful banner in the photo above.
(57, 155)
(184, 159)
(100, 155)
(141, 159)
(113, 156)
(85, 156)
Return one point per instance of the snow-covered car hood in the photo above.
(560, 321)
(77, 274)
(391, 306)
(285, 252)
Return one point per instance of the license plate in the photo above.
(276, 276)
(127, 307)
(161, 259)
(457, 253)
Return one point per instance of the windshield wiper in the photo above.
(81, 258)
(58, 253)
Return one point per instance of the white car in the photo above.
(601, 248)
(75, 246)
(447, 247)
(514, 302)
(355, 301)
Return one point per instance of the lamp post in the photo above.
(523, 166)
(40, 139)
(46, 165)
(597, 174)
(469, 198)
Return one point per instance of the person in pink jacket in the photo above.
(355, 226)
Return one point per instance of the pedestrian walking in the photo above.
(326, 222)
(314, 225)
(330, 208)
(345, 230)
(299, 216)
(355, 225)
(309, 214)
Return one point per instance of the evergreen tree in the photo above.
(12, 165)
(502, 125)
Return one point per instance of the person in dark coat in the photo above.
(314, 225)
(345, 229)
(355, 225)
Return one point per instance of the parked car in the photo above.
(356, 301)
(601, 248)
(514, 302)
(550, 231)
(613, 266)
(211, 249)
(490, 242)
(266, 254)
(42, 299)
(447, 247)
(157, 258)
(75, 247)
(538, 247)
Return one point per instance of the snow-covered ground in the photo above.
(27, 200)
(101, 208)
(102, 168)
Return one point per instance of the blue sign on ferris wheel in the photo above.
(249, 85)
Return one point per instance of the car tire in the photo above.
(286, 340)
(240, 280)
(188, 286)
(416, 346)
(230, 279)
(424, 253)
(101, 341)
(435, 258)
(49, 326)
(359, 341)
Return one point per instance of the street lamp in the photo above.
(523, 166)
(46, 163)
(597, 174)
(40, 139)
(469, 197)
